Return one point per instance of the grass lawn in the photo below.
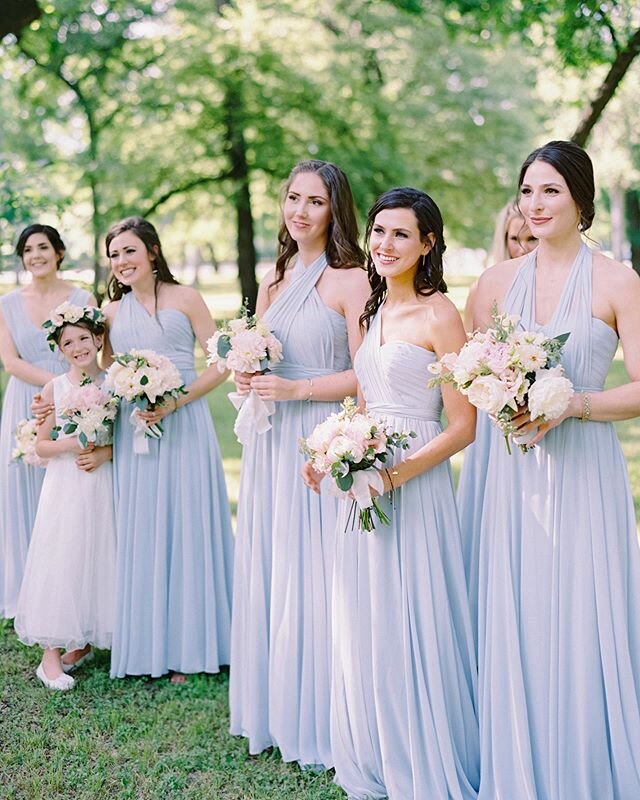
(143, 739)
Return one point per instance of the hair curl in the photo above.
(52, 235)
(148, 235)
(343, 250)
(429, 277)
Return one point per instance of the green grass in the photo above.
(143, 739)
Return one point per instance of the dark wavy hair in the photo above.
(343, 250)
(429, 277)
(575, 166)
(52, 235)
(96, 328)
(148, 235)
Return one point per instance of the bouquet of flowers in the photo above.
(89, 412)
(246, 344)
(25, 450)
(352, 446)
(145, 378)
(505, 370)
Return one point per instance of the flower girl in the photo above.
(66, 597)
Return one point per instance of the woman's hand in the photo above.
(272, 387)
(157, 412)
(311, 477)
(574, 409)
(243, 381)
(40, 409)
(90, 459)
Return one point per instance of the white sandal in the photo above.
(62, 683)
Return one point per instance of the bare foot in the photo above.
(178, 678)
(51, 664)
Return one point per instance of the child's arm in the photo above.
(46, 447)
(90, 460)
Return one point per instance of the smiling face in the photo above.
(39, 255)
(547, 204)
(520, 240)
(79, 346)
(307, 211)
(395, 243)
(131, 262)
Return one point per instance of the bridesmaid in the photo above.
(30, 363)
(279, 687)
(512, 239)
(403, 704)
(559, 565)
(175, 544)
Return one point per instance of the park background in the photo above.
(192, 112)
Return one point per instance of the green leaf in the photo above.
(224, 346)
(345, 482)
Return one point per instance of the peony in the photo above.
(532, 356)
(342, 447)
(490, 394)
(550, 394)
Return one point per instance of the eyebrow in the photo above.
(544, 185)
(311, 196)
(395, 230)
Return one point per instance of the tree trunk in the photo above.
(607, 90)
(16, 15)
(633, 226)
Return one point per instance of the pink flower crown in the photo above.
(68, 314)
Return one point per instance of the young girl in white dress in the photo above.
(67, 593)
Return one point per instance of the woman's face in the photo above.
(130, 260)
(39, 255)
(520, 240)
(79, 346)
(395, 243)
(307, 210)
(547, 204)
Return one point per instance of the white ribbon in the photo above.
(142, 432)
(253, 415)
(362, 480)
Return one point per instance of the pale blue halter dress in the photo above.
(175, 544)
(20, 483)
(559, 598)
(281, 639)
(403, 706)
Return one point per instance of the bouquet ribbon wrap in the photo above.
(141, 434)
(253, 415)
(362, 480)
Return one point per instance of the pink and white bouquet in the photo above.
(246, 344)
(26, 434)
(503, 371)
(352, 446)
(145, 378)
(88, 411)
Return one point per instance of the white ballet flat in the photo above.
(72, 667)
(62, 683)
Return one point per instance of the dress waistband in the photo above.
(413, 412)
(295, 371)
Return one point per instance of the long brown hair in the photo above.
(148, 235)
(343, 250)
(429, 277)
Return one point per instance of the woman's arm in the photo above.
(15, 365)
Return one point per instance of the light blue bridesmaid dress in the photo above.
(281, 638)
(20, 483)
(175, 543)
(559, 588)
(403, 706)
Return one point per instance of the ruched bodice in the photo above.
(394, 379)
(168, 332)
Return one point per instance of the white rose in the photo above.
(489, 394)
(342, 447)
(550, 394)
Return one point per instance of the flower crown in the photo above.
(68, 314)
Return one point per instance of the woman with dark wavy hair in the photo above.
(559, 563)
(403, 705)
(281, 653)
(175, 543)
(30, 364)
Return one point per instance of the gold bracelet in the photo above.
(310, 395)
(586, 407)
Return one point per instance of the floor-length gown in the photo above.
(559, 588)
(281, 657)
(67, 596)
(20, 483)
(403, 709)
(175, 543)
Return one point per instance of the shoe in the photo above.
(67, 668)
(62, 683)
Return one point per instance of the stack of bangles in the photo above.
(586, 407)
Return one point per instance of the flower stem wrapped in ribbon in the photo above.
(145, 378)
(352, 446)
(504, 370)
(246, 344)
